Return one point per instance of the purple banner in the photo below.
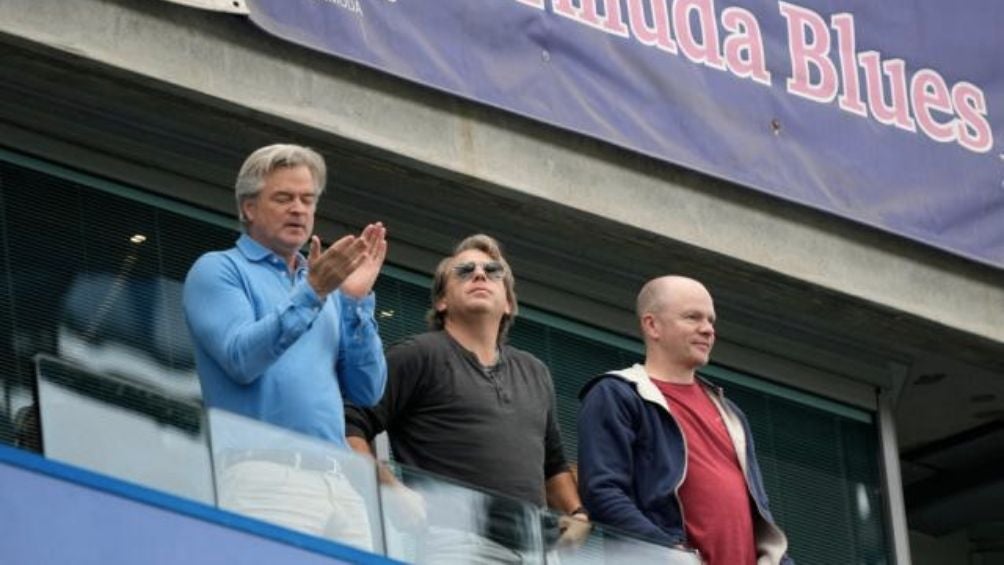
(887, 113)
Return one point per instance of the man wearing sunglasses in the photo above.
(462, 404)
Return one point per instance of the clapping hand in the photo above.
(352, 263)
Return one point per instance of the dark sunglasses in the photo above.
(493, 270)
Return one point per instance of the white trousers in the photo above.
(318, 503)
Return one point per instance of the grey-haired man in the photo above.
(279, 338)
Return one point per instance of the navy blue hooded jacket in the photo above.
(632, 461)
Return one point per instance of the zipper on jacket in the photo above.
(759, 509)
(683, 476)
(746, 477)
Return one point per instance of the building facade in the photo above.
(869, 365)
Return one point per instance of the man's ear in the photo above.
(441, 306)
(248, 209)
(648, 326)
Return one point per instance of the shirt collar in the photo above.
(255, 251)
(472, 358)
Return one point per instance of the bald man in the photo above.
(663, 454)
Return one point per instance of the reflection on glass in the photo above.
(429, 519)
(114, 426)
(131, 327)
(602, 545)
(138, 433)
(288, 479)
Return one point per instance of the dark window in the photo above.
(91, 273)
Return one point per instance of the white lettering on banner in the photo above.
(350, 5)
(824, 68)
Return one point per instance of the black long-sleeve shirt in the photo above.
(491, 427)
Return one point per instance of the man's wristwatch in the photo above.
(580, 511)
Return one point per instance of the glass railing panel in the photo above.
(137, 432)
(429, 519)
(603, 545)
(295, 481)
(128, 325)
(124, 428)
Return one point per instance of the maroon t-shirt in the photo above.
(715, 501)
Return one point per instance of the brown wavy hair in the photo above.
(489, 246)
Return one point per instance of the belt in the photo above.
(296, 459)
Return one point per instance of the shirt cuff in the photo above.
(361, 308)
(304, 295)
